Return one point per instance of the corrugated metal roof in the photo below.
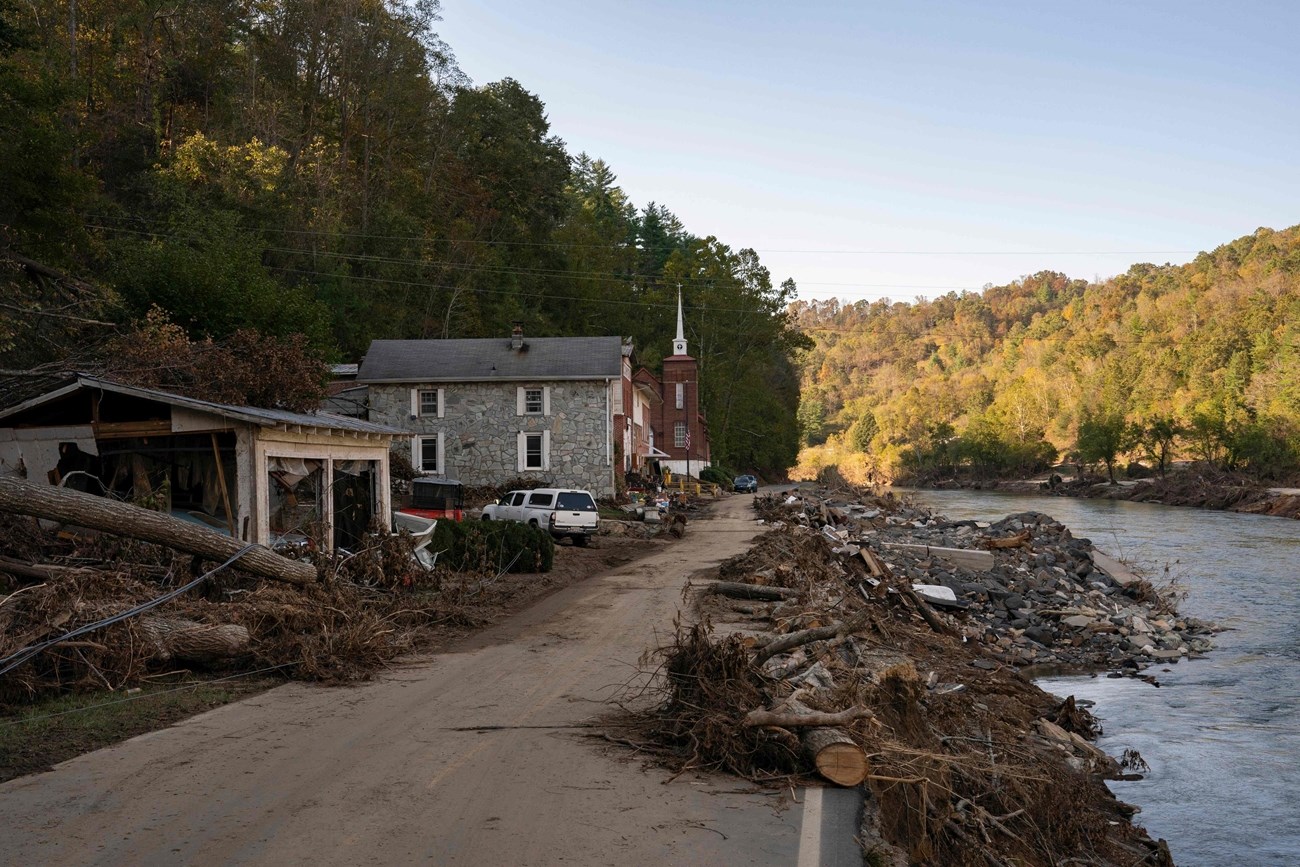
(493, 359)
(251, 414)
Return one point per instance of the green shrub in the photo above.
(716, 475)
(492, 546)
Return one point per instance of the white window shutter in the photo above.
(442, 452)
(546, 450)
(521, 446)
(415, 453)
(519, 400)
(441, 403)
(546, 400)
(415, 402)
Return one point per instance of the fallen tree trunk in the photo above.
(816, 718)
(188, 641)
(807, 636)
(1019, 540)
(36, 571)
(739, 590)
(21, 497)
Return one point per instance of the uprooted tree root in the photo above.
(707, 687)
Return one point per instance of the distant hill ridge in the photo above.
(997, 382)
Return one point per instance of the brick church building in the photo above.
(675, 435)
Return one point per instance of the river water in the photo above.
(1221, 734)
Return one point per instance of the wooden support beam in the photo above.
(21, 497)
(109, 430)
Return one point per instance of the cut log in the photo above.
(188, 641)
(738, 590)
(835, 755)
(22, 497)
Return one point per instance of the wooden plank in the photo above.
(111, 430)
(225, 491)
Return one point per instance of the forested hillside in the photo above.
(1199, 360)
(297, 167)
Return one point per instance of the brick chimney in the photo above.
(517, 337)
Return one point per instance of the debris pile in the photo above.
(364, 609)
(1034, 594)
(827, 648)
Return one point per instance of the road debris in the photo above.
(858, 640)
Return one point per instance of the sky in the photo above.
(907, 149)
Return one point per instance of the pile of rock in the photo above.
(1024, 587)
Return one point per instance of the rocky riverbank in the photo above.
(1197, 485)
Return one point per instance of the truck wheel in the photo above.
(580, 541)
(533, 523)
(487, 517)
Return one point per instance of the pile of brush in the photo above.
(93, 611)
(810, 659)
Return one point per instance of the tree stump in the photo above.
(835, 755)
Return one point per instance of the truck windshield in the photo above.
(573, 501)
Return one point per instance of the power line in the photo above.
(516, 294)
(826, 251)
(504, 270)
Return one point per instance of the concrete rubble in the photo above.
(1051, 599)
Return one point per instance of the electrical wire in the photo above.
(22, 655)
(570, 244)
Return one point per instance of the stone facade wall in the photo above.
(480, 425)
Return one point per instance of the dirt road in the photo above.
(479, 755)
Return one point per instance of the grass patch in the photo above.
(37, 736)
(613, 513)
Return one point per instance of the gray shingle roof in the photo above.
(251, 414)
(492, 359)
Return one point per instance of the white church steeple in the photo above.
(679, 344)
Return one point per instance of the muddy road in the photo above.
(482, 754)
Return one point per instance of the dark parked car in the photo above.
(745, 484)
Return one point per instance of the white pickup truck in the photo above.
(559, 511)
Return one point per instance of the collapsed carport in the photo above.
(261, 475)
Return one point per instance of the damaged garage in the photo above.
(261, 475)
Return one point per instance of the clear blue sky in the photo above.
(997, 138)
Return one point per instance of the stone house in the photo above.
(485, 411)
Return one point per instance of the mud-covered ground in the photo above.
(56, 725)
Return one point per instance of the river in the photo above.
(1221, 734)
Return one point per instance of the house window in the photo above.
(681, 394)
(428, 454)
(679, 434)
(532, 401)
(429, 402)
(534, 451)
